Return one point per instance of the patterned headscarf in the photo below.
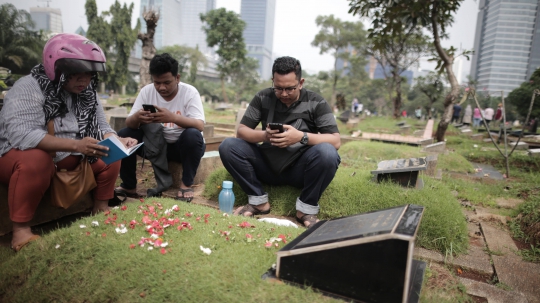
(85, 103)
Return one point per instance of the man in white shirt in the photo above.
(488, 115)
(179, 110)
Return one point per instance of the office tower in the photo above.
(47, 19)
(507, 44)
(259, 32)
(179, 22)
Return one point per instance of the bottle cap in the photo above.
(227, 184)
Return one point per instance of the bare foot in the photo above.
(262, 208)
(21, 233)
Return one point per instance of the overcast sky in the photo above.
(294, 24)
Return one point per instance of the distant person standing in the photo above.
(488, 115)
(499, 113)
(404, 114)
(355, 105)
(477, 117)
(467, 116)
(457, 111)
(418, 112)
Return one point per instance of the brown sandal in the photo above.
(19, 246)
(312, 219)
(253, 210)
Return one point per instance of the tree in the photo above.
(151, 18)
(398, 52)
(339, 38)
(246, 78)
(520, 97)
(432, 87)
(224, 29)
(116, 38)
(391, 18)
(20, 47)
(186, 57)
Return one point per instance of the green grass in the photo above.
(96, 264)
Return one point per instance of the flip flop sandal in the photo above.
(183, 191)
(19, 246)
(122, 192)
(312, 219)
(253, 210)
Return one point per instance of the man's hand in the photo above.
(289, 137)
(163, 115)
(144, 117)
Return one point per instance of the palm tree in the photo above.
(19, 44)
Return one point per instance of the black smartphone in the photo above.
(149, 108)
(278, 126)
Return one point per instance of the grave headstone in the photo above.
(431, 165)
(477, 137)
(402, 171)
(418, 133)
(344, 117)
(438, 147)
(427, 141)
(365, 257)
(400, 123)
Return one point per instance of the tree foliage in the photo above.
(224, 29)
(115, 37)
(20, 47)
(391, 18)
(189, 60)
(521, 97)
(340, 38)
(398, 52)
(432, 87)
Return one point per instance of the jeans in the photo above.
(476, 122)
(188, 150)
(312, 172)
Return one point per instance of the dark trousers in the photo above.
(312, 172)
(188, 150)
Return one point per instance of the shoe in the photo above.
(122, 192)
(253, 210)
(312, 219)
(183, 191)
(151, 192)
(18, 247)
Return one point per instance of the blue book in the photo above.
(117, 150)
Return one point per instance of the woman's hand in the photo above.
(128, 142)
(89, 146)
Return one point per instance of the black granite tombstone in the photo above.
(364, 258)
(402, 171)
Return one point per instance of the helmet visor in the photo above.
(75, 66)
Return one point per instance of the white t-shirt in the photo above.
(187, 102)
(488, 113)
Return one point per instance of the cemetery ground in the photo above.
(473, 226)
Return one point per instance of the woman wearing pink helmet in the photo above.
(59, 93)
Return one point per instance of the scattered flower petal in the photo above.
(163, 251)
(132, 246)
(57, 246)
(95, 223)
(82, 226)
(205, 250)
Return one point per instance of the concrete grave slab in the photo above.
(492, 293)
(486, 170)
(431, 161)
(402, 171)
(510, 203)
(438, 147)
(478, 137)
(475, 259)
(534, 152)
(426, 141)
(520, 145)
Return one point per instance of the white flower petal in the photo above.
(82, 226)
(205, 250)
(164, 244)
(154, 236)
(150, 248)
(95, 223)
(57, 246)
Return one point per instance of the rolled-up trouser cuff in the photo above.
(306, 208)
(258, 200)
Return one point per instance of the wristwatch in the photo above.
(304, 139)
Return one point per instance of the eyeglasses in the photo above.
(288, 90)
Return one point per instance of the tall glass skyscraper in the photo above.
(179, 22)
(259, 33)
(507, 44)
(47, 19)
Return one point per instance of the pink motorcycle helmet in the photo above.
(71, 53)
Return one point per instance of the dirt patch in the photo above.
(530, 225)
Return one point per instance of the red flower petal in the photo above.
(163, 251)
(132, 246)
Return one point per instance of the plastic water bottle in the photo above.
(226, 197)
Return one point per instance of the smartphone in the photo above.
(277, 126)
(149, 108)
